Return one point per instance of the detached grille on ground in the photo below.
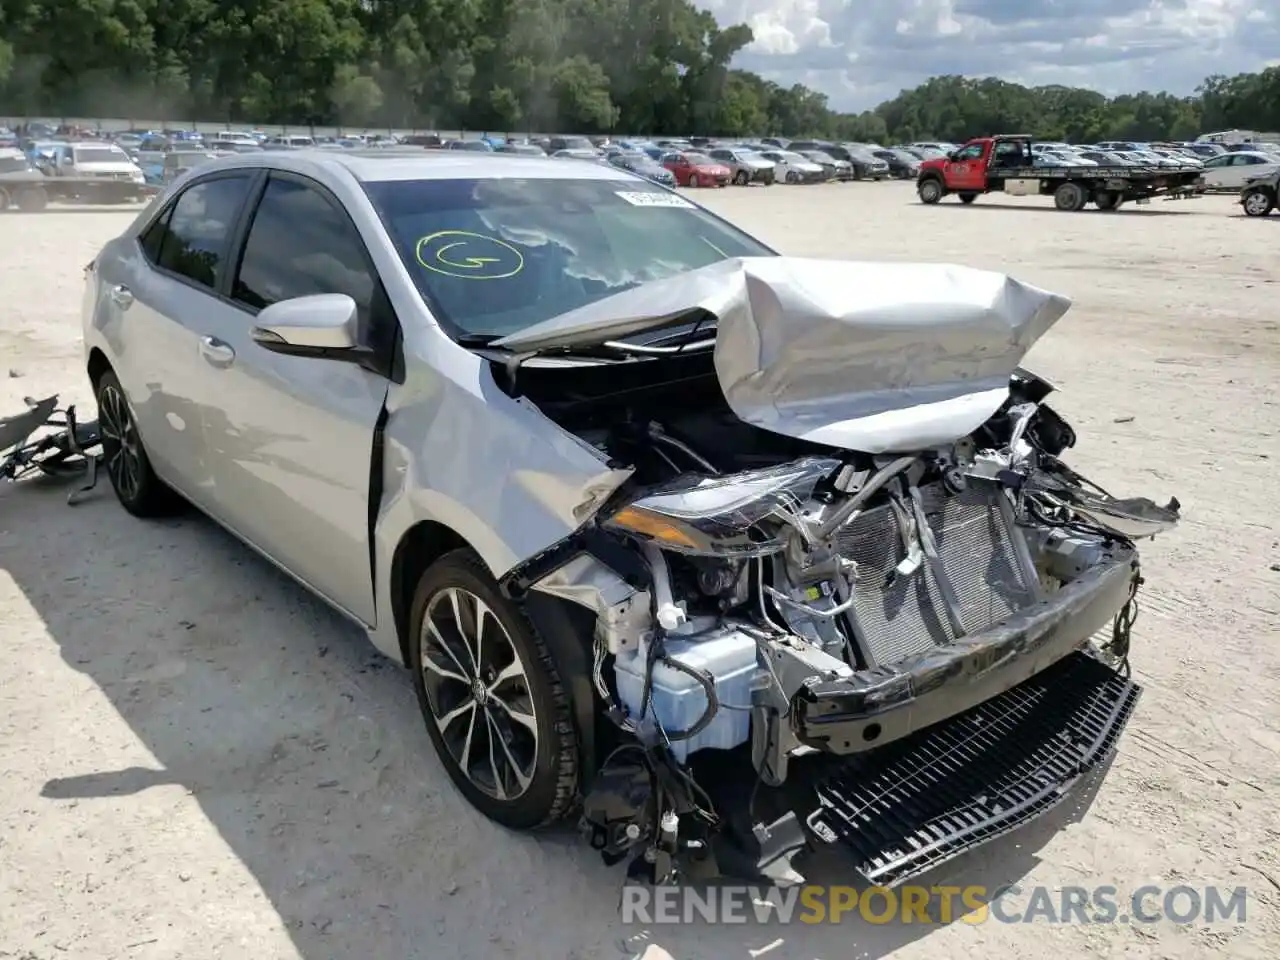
(915, 804)
(896, 616)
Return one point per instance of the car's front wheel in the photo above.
(495, 707)
(929, 191)
(128, 467)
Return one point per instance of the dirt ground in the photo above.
(198, 760)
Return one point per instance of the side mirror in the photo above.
(66, 160)
(319, 325)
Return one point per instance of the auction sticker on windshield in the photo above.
(646, 199)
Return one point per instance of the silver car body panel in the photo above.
(920, 357)
(458, 451)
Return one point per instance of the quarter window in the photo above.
(301, 244)
(193, 237)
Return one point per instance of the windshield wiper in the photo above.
(677, 342)
(477, 339)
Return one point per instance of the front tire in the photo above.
(694, 181)
(968, 197)
(930, 191)
(495, 707)
(125, 458)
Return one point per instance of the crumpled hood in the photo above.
(875, 357)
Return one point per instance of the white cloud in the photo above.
(860, 55)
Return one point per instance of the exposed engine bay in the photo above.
(775, 597)
(849, 592)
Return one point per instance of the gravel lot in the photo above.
(198, 760)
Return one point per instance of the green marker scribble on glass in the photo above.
(468, 256)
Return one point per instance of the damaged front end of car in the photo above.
(853, 594)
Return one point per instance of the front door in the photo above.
(291, 438)
(966, 172)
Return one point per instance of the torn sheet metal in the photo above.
(877, 357)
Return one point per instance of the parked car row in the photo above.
(156, 157)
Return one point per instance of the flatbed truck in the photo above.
(1006, 164)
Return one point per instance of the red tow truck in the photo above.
(1006, 164)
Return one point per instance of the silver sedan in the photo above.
(627, 490)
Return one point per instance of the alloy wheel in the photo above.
(120, 447)
(478, 694)
(1257, 204)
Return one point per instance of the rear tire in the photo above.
(520, 768)
(1107, 200)
(1070, 196)
(930, 191)
(968, 197)
(4, 200)
(741, 178)
(1258, 202)
(124, 457)
(32, 199)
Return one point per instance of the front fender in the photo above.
(461, 453)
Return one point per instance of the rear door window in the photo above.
(195, 233)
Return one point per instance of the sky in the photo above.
(862, 53)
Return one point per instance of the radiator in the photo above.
(895, 616)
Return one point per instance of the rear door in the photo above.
(159, 294)
(291, 438)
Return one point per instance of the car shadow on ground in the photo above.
(305, 750)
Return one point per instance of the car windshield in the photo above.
(790, 157)
(101, 155)
(492, 257)
(697, 159)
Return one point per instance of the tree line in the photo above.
(586, 66)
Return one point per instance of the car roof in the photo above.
(375, 166)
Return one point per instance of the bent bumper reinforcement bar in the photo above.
(873, 708)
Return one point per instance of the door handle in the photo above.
(121, 296)
(216, 352)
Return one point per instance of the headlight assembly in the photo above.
(737, 515)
